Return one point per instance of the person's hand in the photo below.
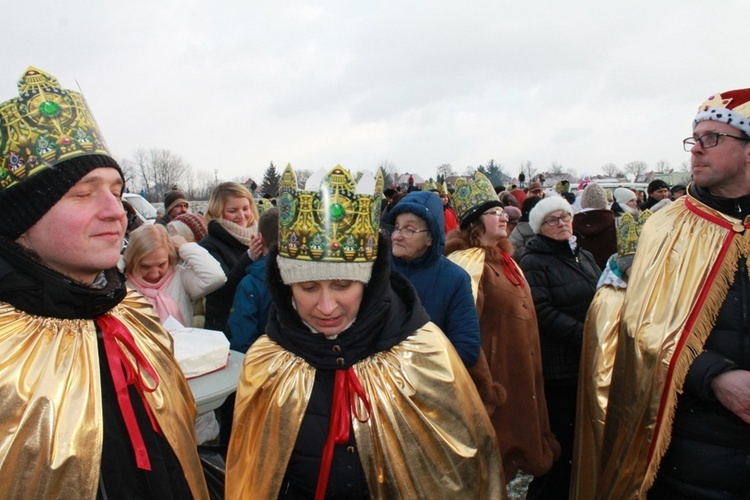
(732, 389)
(177, 241)
(255, 250)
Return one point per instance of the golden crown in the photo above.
(629, 232)
(43, 126)
(470, 195)
(332, 223)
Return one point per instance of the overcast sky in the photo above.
(232, 86)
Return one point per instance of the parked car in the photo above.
(145, 210)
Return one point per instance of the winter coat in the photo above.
(519, 236)
(252, 303)
(444, 288)
(510, 343)
(233, 257)
(563, 284)
(599, 231)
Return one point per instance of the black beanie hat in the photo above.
(655, 185)
(172, 198)
(26, 202)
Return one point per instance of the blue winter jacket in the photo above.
(444, 288)
(249, 314)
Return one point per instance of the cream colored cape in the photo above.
(686, 260)
(428, 435)
(51, 418)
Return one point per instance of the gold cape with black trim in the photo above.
(51, 427)
(428, 435)
(685, 263)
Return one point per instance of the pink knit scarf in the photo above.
(156, 294)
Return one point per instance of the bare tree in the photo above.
(528, 170)
(303, 175)
(611, 170)
(205, 182)
(161, 170)
(131, 175)
(390, 172)
(637, 168)
(556, 169)
(446, 170)
(469, 171)
(685, 166)
(662, 166)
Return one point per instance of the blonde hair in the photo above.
(224, 192)
(143, 241)
(180, 229)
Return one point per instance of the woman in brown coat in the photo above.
(507, 320)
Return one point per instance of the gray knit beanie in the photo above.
(594, 197)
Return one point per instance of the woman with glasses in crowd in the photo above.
(507, 322)
(415, 225)
(563, 279)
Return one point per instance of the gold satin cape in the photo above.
(685, 263)
(51, 426)
(428, 435)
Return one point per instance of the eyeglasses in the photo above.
(500, 214)
(555, 221)
(709, 140)
(406, 232)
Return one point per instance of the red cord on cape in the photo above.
(511, 270)
(117, 341)
(346, 388)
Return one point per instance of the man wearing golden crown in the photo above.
(353, 392)
(677, 421)
(94, 404)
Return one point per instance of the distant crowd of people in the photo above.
(428, 344)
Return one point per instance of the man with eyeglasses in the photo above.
(678, 414)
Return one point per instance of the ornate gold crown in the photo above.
(469, 196)
(629, 232)
(44, 125)
(333, 223)
(429, 186)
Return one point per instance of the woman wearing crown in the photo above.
(352, 393)
(507, 321)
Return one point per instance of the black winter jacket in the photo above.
(563, 284)
(232, 255)
(710, 444)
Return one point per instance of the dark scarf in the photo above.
(390, 312)
(32, 287)
(733, 207)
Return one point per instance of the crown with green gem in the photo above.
(43, 126)
(337, 221)
(470, 195)
(629, 231)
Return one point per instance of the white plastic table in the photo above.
(210, 390)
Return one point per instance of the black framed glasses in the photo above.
(555, 221)
(407, 232)
(709, 140)
(500, 214)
